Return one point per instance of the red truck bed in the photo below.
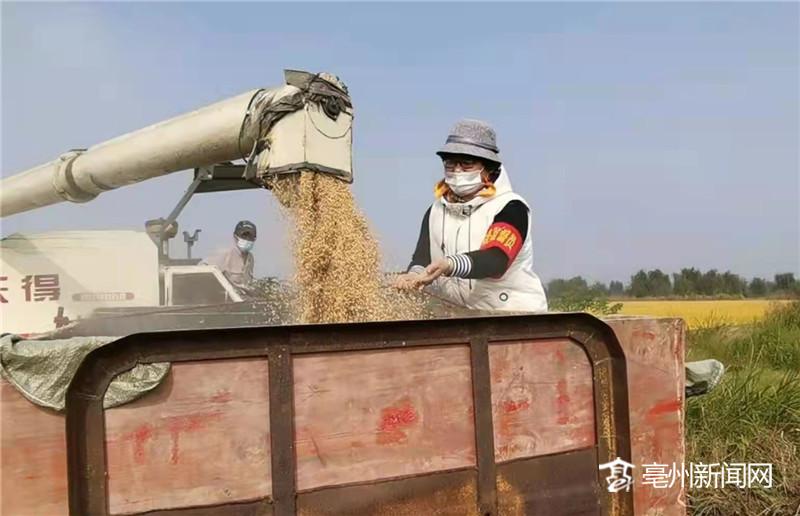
(370, 427)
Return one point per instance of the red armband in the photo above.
(504, 237)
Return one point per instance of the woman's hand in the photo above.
(441, 267)
(417, 280)
(408, 281)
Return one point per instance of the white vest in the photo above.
(460, 228)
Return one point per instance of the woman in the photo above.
(474, 247)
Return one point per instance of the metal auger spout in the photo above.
(306, 124)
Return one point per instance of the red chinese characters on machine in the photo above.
(37, 287)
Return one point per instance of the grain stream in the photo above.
(336, 258)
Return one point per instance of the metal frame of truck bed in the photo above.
(85, 421)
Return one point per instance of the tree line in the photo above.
(688, 283)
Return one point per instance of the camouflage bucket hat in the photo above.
(473, 138)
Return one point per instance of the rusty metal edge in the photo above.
(85, 422)
(386, 480)
(281, 425)
(484, 425)
(545, 455)
(612, 418)
(384, 493)
(258, 507)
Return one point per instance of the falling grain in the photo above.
(336, 257)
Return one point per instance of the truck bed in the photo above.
(375, 431)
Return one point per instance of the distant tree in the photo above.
(560, 287)
(785, 282)
(681, 287)
(687, 282)
(577, 292)
(710, 283)
(639, 287)
(732, 284)
(757, 288)
(650, 283)
(658, 283)
(599, 288)
(575, 295)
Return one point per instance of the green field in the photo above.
(753, 416)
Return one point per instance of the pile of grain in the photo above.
(336, 258)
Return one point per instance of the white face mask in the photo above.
(244, 245)
(464, 183)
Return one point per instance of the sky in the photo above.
(643, 135)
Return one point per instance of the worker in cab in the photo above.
(474, 247)
(236, 261)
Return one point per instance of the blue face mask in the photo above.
(244, 245)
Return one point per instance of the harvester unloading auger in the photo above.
(305, 124)
(247, 141)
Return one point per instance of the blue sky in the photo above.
(643, 135)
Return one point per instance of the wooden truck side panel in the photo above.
(382, 414)
(654, 356)
(203, 437)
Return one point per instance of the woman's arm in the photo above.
(501, 244)
(422, 253)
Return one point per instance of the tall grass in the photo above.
(753, 415)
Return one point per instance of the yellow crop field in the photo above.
(698, 314)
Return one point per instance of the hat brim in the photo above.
(469, 150)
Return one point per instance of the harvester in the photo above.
(461, 413)
(303, 125)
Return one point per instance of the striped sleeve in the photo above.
(461, 265)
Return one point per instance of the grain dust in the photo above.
(336, 257)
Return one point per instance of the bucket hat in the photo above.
(473, 138)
